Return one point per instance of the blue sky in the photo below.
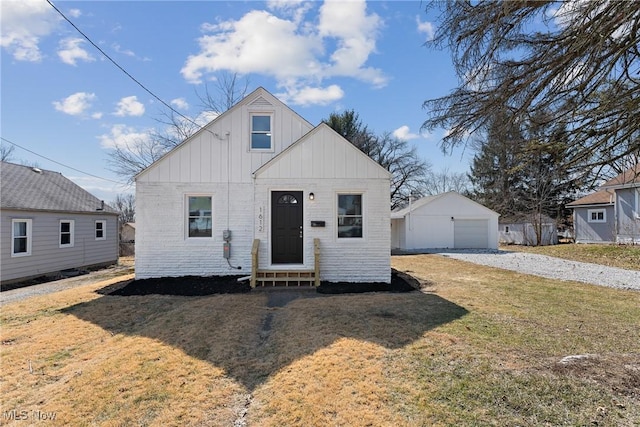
(61, 98)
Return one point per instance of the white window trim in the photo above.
(71, 233)
(637, 211)
(104, 229)
(186, 217)
(360, 193)
(13, 236)
(261, 113)
(592, 211)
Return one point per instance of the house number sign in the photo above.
(261, 219)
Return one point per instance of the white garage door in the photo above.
(471, 234)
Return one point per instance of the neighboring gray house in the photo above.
(612, 214)
(521, 230)
(49, 224)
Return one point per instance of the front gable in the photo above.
(446, 202)
(322, 154)
(222, 150)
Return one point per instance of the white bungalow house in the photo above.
(260, 191)
(447, 220)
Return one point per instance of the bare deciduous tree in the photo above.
(445, 181)
(127, 160)
(577, 60)
(125, 204)
(408, 170)
(6, 152)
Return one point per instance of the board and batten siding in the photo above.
(323, 163)
(217, 162)
(46, 254)
(221, 152)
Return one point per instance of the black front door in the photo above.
(286, 227)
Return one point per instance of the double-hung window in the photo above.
(261, 137)
(66, 233)
(101, 230)
(349, 215)
(20, 237)
(597, 215)
(199, 217)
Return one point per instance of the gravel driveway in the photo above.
(550, 267)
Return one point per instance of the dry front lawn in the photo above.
(479, 346)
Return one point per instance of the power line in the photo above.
(58, 163)
(121, 68)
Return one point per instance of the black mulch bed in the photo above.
(185, 286)
(198, 286)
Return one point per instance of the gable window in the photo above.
(261, 132)
(199, 219)
(66, 233)
(20, 237)
(597, 215)
(101, 230)
(349, 215)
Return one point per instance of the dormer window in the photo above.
(261, 137)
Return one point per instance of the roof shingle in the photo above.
(28, 188)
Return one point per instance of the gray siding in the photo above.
(594, 232)
(46, 254)
(628, 223)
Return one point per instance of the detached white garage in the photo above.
(447, 220)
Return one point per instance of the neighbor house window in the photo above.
(597, 215)
(101, 230)
(20, 237)
(349, 215)
(199, 219)
(66, 233)
(261, 132)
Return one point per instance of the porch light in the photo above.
(312, 196)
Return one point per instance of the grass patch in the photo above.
(621, 256)
(479, 346)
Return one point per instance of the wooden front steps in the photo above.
(285, 278)
(261, 277)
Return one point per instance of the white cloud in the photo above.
(404, 133)
(75, 104)
(426, 27)
(70, 51)
(75, 13)
(299, 54)
(355, 32)
(97, 115)
(129, 106)
(22, 24)
(180, 103)
(124, 137)
(313, 95)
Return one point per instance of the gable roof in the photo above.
(602, 197)
(259, 97)
(29, 188)
(345, 148)
(628, 178)
(401, 213)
